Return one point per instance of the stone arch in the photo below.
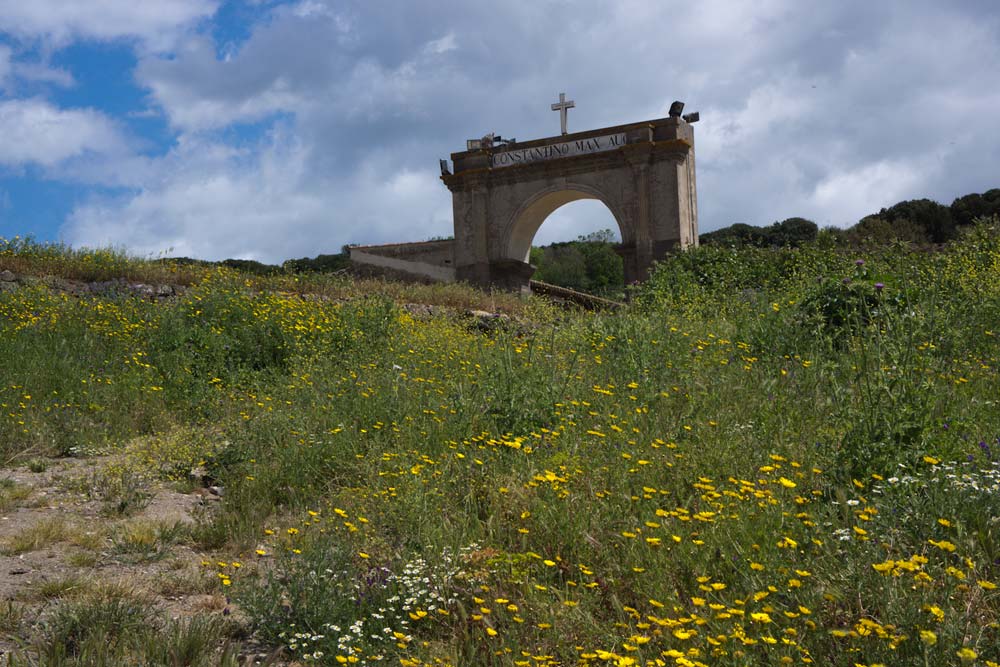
(642, 172)
(525, 221)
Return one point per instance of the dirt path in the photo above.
(67, 529)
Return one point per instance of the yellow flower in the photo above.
(966, 654)
(928, 637)
(944, 545)
(936, 611)
(787, 542)
(884, 567)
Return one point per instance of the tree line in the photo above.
(916, 221)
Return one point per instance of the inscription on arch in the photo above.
(512, 157)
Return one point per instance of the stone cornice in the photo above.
(649, 152)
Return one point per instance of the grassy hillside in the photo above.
(772, 457)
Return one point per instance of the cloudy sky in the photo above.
(271, 129)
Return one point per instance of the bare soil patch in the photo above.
(60, 537)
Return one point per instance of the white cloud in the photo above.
(210, 201)
(851, 195)
(310, 9)
(29, 71)
(880, 118)
(442, 45)
(304, 61)
(154, 21)
(829, 111)
(730, 135)
(42, 73)
(34, 131)
(200, 92)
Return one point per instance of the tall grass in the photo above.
(772, 457)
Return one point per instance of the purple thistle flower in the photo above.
(878, 287)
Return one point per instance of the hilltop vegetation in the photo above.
(790, 233)
(916, 221)
(772, 456)
(590, 264)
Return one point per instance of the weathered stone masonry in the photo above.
(643, 172)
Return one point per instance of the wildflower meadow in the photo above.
(770, 456)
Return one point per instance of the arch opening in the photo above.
(530, 217)
(577, 219)
(574, 244)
